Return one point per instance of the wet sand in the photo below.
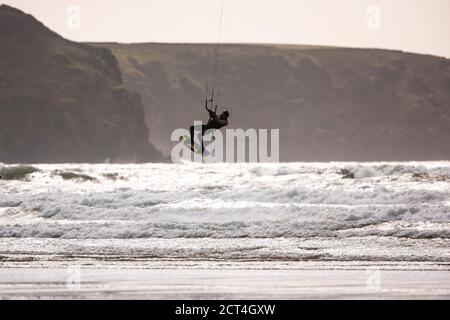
(225, 280)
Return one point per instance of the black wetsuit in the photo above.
(214, 122)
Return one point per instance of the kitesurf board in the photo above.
(197, 146)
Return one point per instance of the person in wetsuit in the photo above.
(215, 122)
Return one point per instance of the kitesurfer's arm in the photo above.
(216, 123)
(212, 114)
(220, 122)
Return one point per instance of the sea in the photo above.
(245, 212)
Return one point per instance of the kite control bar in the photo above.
(211, 102)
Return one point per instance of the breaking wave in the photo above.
(295, 200)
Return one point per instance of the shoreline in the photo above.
(181, 279)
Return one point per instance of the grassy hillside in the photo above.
(62, 101)
(329, 103)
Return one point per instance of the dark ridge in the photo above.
(62, 101)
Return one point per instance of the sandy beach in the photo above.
(227, 280)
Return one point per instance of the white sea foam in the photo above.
(294, 200)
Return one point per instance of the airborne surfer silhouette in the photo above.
(215, 122)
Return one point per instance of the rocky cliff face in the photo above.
(62, 101)
(329, 103)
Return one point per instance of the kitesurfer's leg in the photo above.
(204, 129)
(191, 129)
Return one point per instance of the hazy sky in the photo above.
(411, 25)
